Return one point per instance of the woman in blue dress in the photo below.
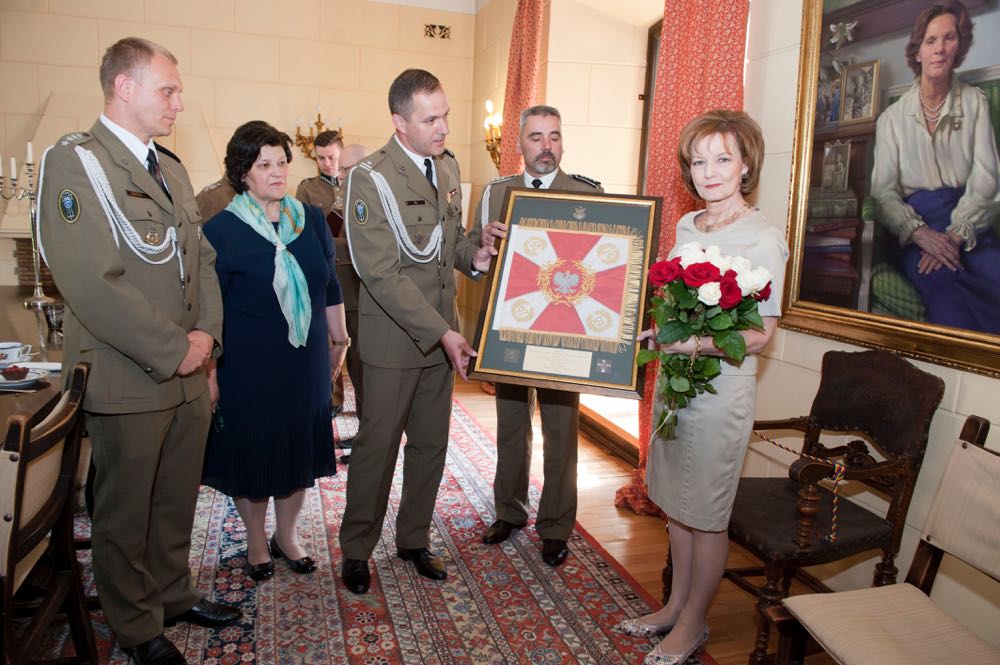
(282, 305)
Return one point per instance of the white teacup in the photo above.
(13, 352)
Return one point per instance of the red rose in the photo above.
(763, 294)
(731, 294)
(664, 272)
(697, 274)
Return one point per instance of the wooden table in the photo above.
(28, 327)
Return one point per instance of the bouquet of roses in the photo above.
(700, 292)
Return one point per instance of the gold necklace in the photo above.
(709, 227)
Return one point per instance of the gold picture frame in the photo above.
(959, 348)
(568, 292)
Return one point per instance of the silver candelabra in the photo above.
(38, 300)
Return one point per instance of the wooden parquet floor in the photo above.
(638, 543)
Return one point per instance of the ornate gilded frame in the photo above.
(952, 347)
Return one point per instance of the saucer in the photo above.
(33, 377)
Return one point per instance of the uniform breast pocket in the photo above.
(420, 234)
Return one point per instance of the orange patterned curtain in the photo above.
(700, 67)
(522, 78)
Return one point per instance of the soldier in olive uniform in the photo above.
(540, 143)
(404, 228)
(323, 190)
(119, 229)
(213, 198)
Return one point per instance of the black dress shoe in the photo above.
(554, 551)
(301, 566)
(355, 574)
(346, 444)
(499, 531)
(427, 564)
(157, 651)
(260, 571)
(208, 614)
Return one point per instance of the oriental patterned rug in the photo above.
(500, 604)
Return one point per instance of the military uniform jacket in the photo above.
(127, 318)
(495, 191)
(214, 198)
(318, 192)
(405, 306)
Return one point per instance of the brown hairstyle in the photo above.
(963, 24)
(407, 84)
(736, 126)
(327, 137)
(125, 57)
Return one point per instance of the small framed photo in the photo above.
(836, 162)
(568, 292)
(859, 100)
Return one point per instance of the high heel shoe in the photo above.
(637, 628)
(654, 658)
(301, 566)
(260, 571)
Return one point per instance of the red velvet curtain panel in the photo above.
(522, 78)
(700, 67)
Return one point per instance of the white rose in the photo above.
(715, 256)
(689, 252)
(710, 293)
(753, 280)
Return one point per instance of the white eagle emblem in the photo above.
(566, 282)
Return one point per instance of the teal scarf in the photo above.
(289, 282)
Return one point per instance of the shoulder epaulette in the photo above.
(448, 152)
(504, 178)
(166, 152)
(375, 158)
(211, 187)
(582, 178)
(73, 137)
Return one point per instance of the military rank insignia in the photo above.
(360, 212)
(69, 206)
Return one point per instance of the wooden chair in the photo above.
(899, 623)
(785, 522)
(38, 465)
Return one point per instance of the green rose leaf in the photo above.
(721, 322)
(646, 356)
(731, 343)
(680, 384)
(673, 331)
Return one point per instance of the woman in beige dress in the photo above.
(693, 478)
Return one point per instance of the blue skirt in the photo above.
(968, 298)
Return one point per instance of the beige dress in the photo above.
(693, 478)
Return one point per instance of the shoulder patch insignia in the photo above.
(360, 212)
(212, 187)
(73, 137)
(582, 178)
(69, 206)
(503, 179)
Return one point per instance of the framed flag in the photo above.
(568, 291)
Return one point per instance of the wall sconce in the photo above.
(492, 126)
(307, 143)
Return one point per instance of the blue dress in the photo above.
(274, 399)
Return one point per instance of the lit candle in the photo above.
(489, 107)
(30, 160)
(486, 126)
(13, 169)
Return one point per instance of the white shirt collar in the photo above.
(546, 179)
(131, 141)
(419, 160)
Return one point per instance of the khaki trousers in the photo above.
(148, 468)
(416, 401)
(560, 412)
